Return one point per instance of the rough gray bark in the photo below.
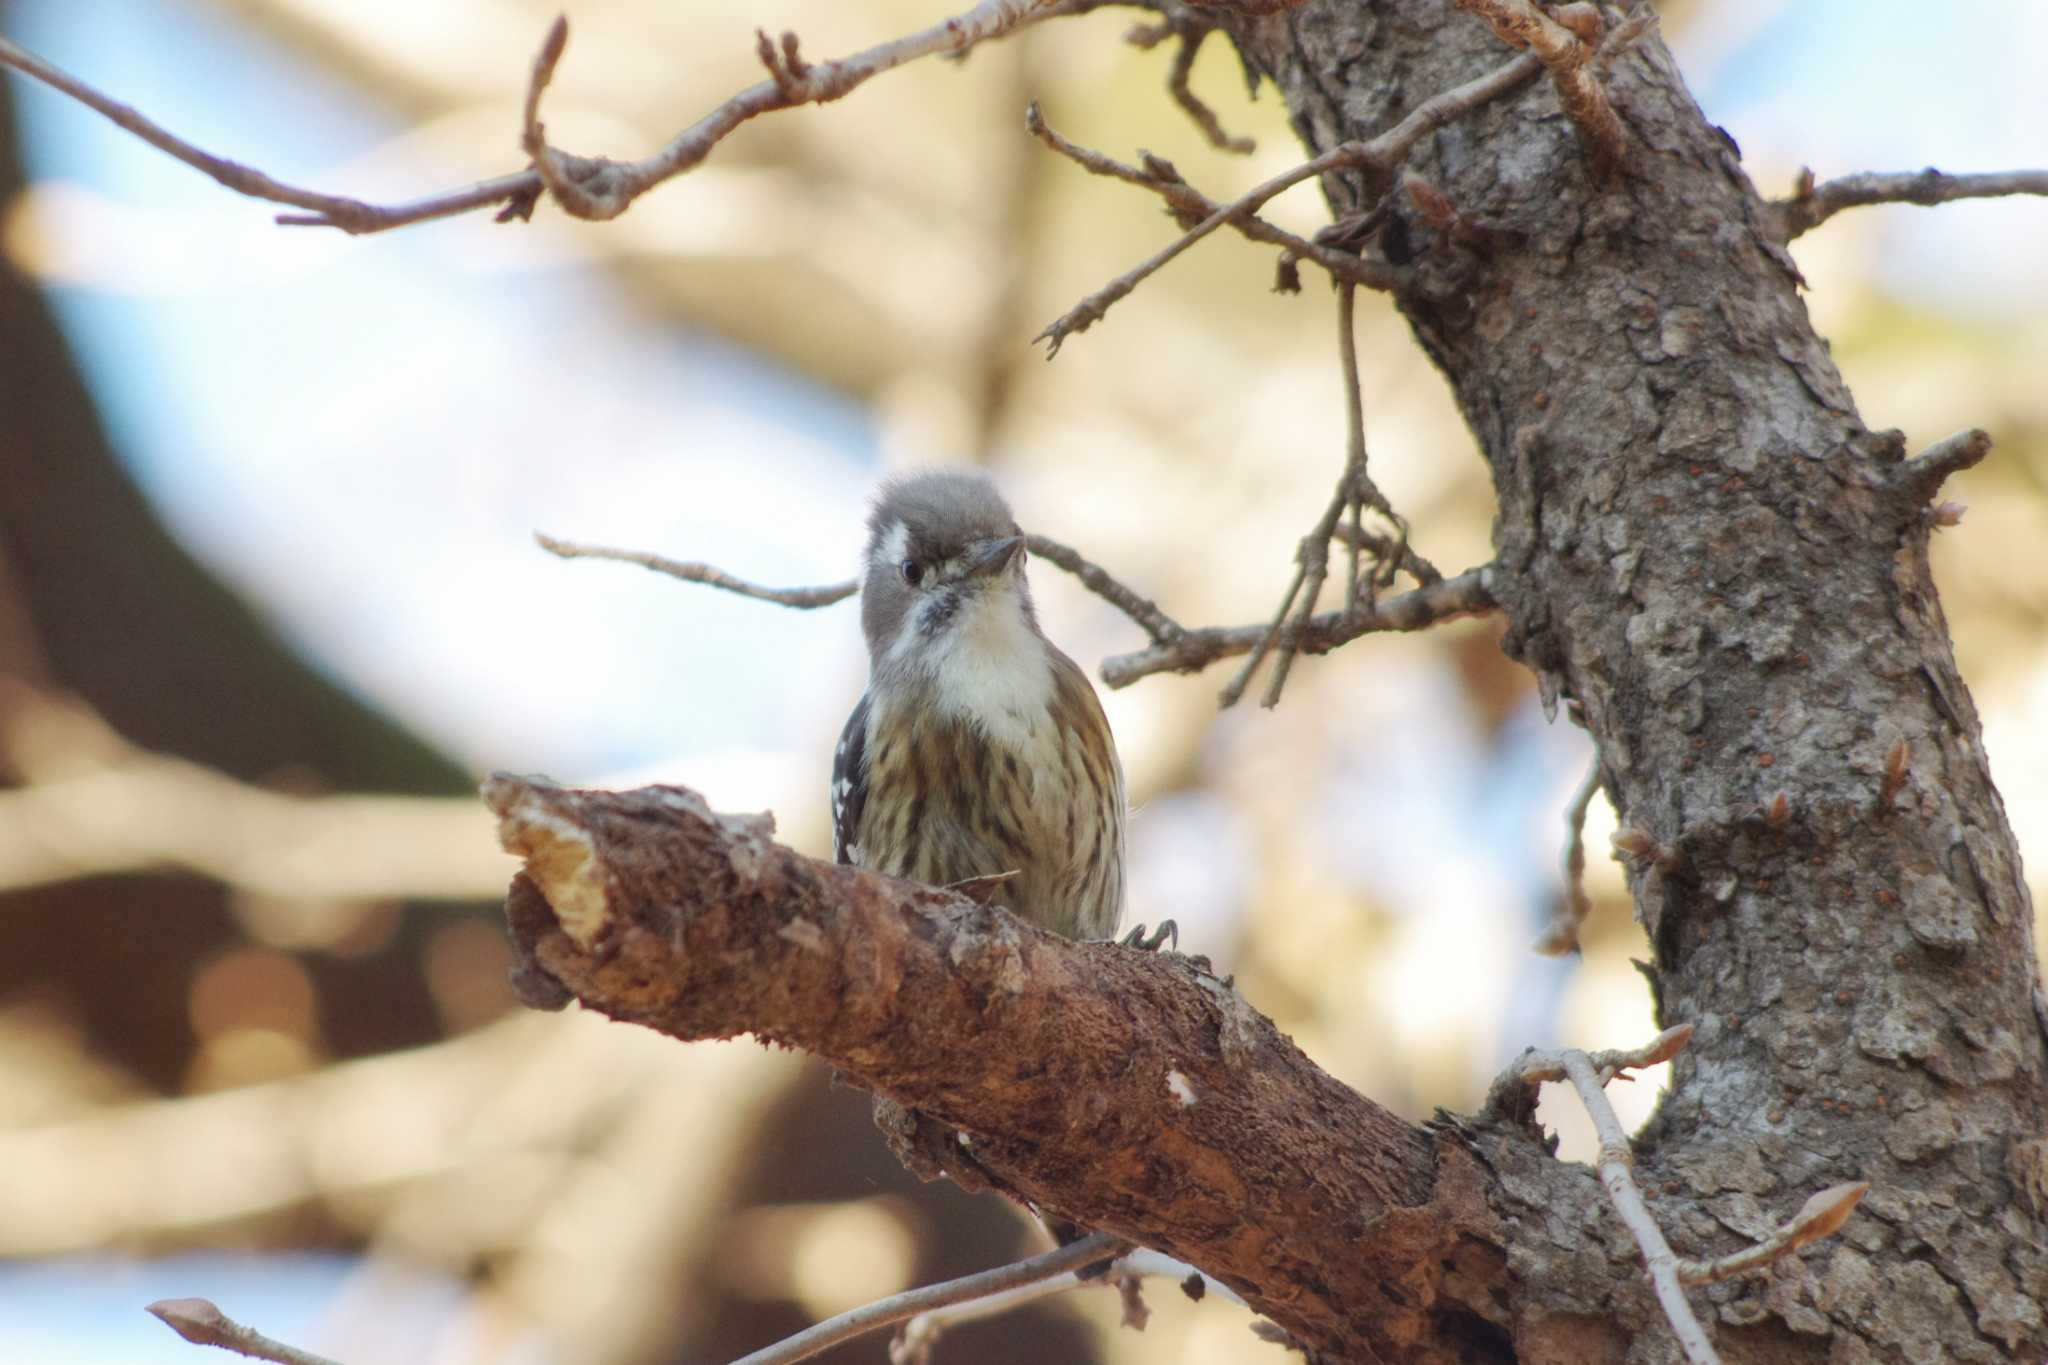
(1725, 572)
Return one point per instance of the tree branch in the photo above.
(1381, 156)
(1615, 1165)
(1561, 935)
(1565, 40)
(351, 215)
(1468, 594)
(1355, 492)
(709, 575)
(1128, 1091)
(1589, 1072)
(202, 1324)
(1192, 32)
(1821, 1216)
(872, 1317)
(585, 187)
(916, 1338)
(1921, 477)
(1810, 205)
(1175, 648)
(1200, 215)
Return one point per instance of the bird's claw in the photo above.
(1167, 933)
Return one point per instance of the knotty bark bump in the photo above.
(1129, 1091)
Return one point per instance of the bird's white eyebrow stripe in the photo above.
(891, 545)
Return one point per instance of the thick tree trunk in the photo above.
(1708, 554)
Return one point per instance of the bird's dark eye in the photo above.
(912, 571)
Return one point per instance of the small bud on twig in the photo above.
(1638, 843)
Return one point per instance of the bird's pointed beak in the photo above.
(991, 557)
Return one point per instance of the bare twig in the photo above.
(1469, 593)
(804, 598)
(1380, 156)
(1191, 207)
(547, 163)
(1615, 1165)
(1234, 689)
(1192, 35)
(1175, 648)
(348, 214)
(897, 1307)
(1562, 935)
(1811, 205)
(585, 187)
(1588, 1073)
(1535, 1066)
(1567, 53)
(1922, 476)
(1821, 1216)
(915, 1339)
(202, 1324)
(1312, 556)
(1162, 628)
(1143, 610)
(1136, 1312)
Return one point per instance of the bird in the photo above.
(979, 753)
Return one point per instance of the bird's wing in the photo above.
(850, 785)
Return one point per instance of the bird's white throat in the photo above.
(988, 667)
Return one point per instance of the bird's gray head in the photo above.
(945, 563)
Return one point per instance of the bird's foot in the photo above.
(1167, 933)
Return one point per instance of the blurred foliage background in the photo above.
(268, 606)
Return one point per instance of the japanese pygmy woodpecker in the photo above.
(979, 748)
